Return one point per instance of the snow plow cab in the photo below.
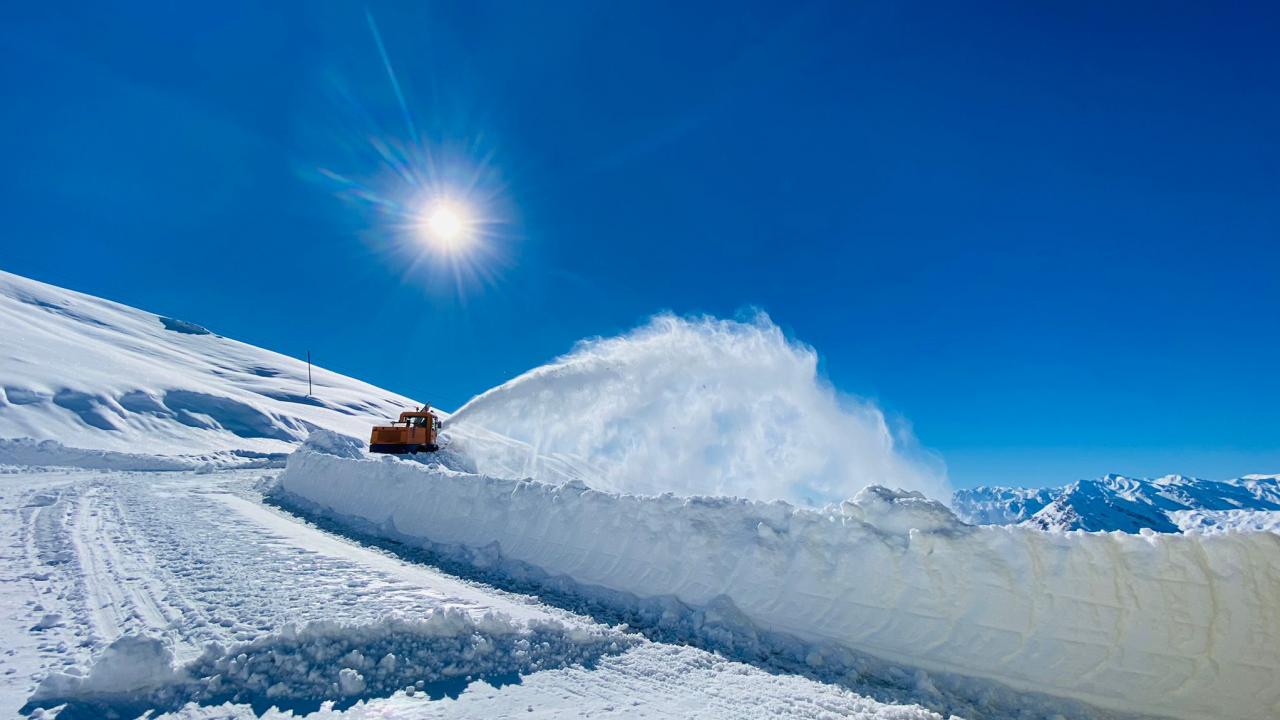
(414, 432)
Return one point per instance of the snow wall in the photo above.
(692, 406)
(1171, 625)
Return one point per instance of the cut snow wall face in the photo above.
(695, 407)
(1180, 626)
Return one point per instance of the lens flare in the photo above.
(446, 226)
(434, 201)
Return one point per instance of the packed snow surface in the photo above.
(94, 374)
(695, 407)
(1185, 626)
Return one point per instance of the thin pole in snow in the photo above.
(308, 373)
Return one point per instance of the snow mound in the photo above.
(691, 406)
(51, 453)
(131, 664)
(1180, 625)
(329, 661)
(332, 443)
(898, 512)
(94, 374)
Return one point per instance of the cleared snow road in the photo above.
(426, 583)
(92, 557)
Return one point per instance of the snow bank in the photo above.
(51, 453)
(328, 661)
(336, 444)
(1182, 626)
(692, 406)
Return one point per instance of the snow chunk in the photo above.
(898, 512)
(50, 620)
(350, 682)
(128, 665)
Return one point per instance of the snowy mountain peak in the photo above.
(1175, 480)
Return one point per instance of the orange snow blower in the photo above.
(414, 432)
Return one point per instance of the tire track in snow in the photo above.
(168, 555)
(396, 573)
(137, 582)
(103, 596)
(120, 594)
(41, 610)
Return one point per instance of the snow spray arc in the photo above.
(693, 406)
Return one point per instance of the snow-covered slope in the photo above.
(1167, 504)
(1181, 626)
(95, 374)
(1207, 522)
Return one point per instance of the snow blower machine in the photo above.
(416, 431)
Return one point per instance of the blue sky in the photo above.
(1044, 234)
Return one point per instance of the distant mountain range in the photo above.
(1168, 504)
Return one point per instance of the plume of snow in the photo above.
(693, 406)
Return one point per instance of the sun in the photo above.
(446, 225)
